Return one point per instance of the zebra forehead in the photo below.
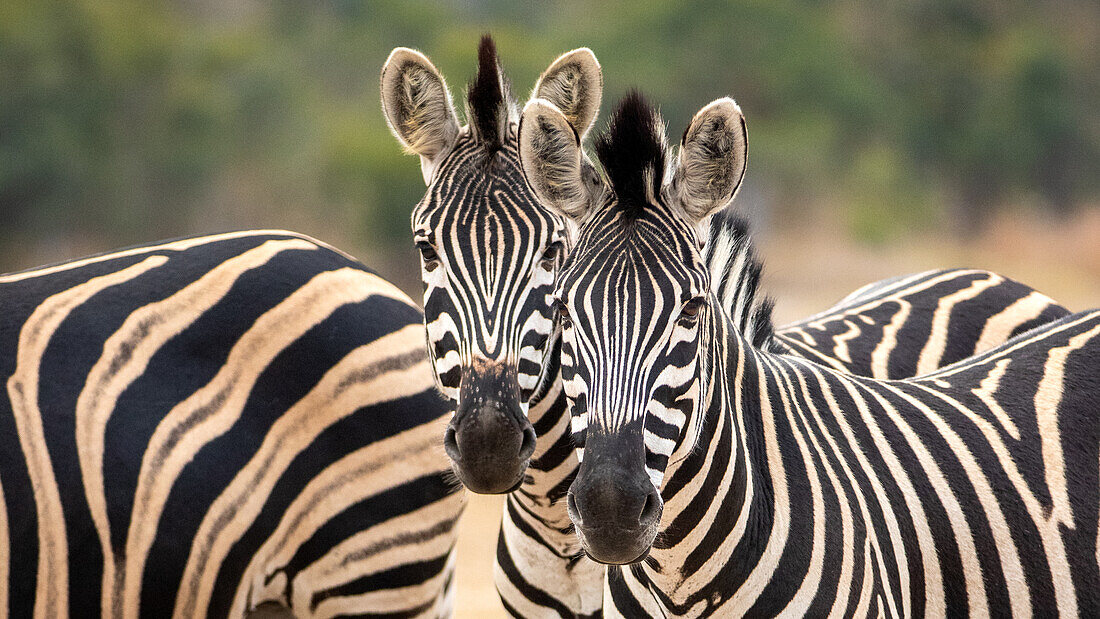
(490, 226)
(471, 186)
(649, 248)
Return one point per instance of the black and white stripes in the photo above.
(205, 425)
(479, 229)
(490, 256)
(796, 488)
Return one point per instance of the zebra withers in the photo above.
(208, 425)
(787, 486)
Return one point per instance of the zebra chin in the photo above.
(617, 547)
(490, 440)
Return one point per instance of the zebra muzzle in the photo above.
(489, 440)
(614, 505)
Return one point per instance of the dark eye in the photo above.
(428, 254)
(562, 313)
(690, 312)
(551, 254)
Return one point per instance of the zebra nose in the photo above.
(610, 506)
(615, 527)
(616, 510)
(489, 448)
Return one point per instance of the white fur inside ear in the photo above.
(550, 155)
(573, 83)
(427, 169)
(712, 158)
(417, 104)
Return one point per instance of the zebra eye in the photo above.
(428, 255)
(562, 313)
(690, 312)
(551, 255)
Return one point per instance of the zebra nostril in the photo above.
(527, 447)
(450, 443)
(571, 507)
(651, 509)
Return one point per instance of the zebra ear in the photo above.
(711, 163)
(551, 158)
(418, 107)
(574, 83)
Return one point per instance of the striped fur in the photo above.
(895, 328)
(538, 572)
(490, 254)
(204, 425)
(789, 487)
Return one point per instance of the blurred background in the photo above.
(885, 138)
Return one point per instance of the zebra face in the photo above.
(489, 258)
(630, 367)
(490, 253)
(634, 305)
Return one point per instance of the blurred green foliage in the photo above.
(122, 121)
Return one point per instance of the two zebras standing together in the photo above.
(728, 469)
(246, 423)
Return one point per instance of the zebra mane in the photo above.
(735, 277)
(632, 152)
(489, 102)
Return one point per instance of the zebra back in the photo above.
(203, 425)
(895, 328)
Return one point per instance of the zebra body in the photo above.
(493, 261)
(915, 324)
(205, 425)
(894, 328)
(789, 487)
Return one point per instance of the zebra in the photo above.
(489, 257)
(718, 477)
(220, 425)
(538, 571)
(895, 328)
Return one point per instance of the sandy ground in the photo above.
(477, 540)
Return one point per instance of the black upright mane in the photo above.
(632, 152)
(488, 98)
(735, 278)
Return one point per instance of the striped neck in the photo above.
(554, 464)
(700, 536)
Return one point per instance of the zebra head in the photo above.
(634, 302)
(490, 252)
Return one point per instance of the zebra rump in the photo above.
(207, 425)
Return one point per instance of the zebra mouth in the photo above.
(478, 486)
(638, 559)
(490, 463)
(616, 547)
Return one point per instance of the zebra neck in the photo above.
(540, 500)
(538, 507)
(719, 504)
